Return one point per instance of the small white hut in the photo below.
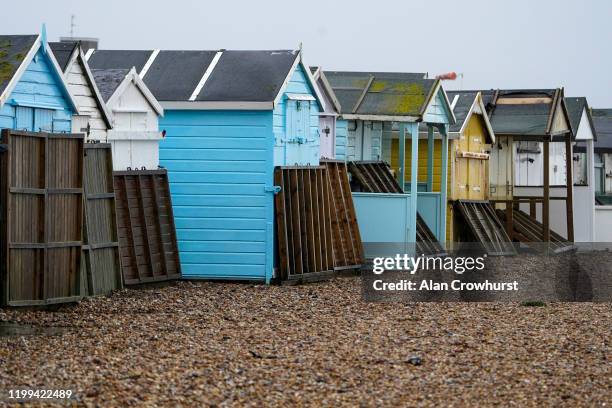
(93, 119)
(135, 136)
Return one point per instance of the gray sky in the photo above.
(495, 44)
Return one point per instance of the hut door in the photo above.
(476, 167)
(462, 169)
(327, 126)
(34, 119)
(298, 132)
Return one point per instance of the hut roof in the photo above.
(63, 52)
(575, 107)
(13, 50)
(119, 59)
(461, 102)
(523, 119)
(108, 80)
(206, 76)
(465, 103)
(382, 93)
(602, 121)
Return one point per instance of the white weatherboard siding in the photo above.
(584, 202)
(529, 163)
(90, 112)
(500, 169)
(135, 135)
(364, 140)
(603, 223)
(585, 222)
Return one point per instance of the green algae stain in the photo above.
(6, 68)
(378, 86)
(400, 98)
(403, 104)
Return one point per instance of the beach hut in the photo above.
(135, 133)
(328, 125)
(230, 118)
(584, 137)
(470, 218)
(531, 164)
(41, 194)
(602, 123)
(378, 110)
(34, 95)
(94, 119)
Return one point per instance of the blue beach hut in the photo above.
(230, 118)
(33, 93)
(378, 109)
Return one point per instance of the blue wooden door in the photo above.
(43, 120)
(34, 119)
(24, 118)
(298, 127)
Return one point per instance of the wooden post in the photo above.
(509, 219)
(414, 160)
(546, 196)
(443, 184)
(401, 177)
(569, 202)
(532, 209)
(430, 157)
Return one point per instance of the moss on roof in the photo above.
(393, 97)
(13, 50)
(6, 68)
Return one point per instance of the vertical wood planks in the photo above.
(42, 218)
(101, 249)
(147, 235)
(346, 239)
(304, 244)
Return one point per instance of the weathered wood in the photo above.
(301, 221)
(42, 218)
(101, 240)
(373, 177)
(569, 177)
(147, 242)
(347, 246)
(546, 195)
(485, 226)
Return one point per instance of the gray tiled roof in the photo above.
(62, 51)
(253, 76)
(465, 100)
(108, 80)
(602, 121)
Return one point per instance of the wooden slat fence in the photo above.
(147, 235)
(347, 245)
(101, 249)
(303, 224)
(42, 217)
(373, 177)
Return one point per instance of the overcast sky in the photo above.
(494, 44)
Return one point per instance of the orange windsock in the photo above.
(449, 76)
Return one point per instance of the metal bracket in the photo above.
(272, 189)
